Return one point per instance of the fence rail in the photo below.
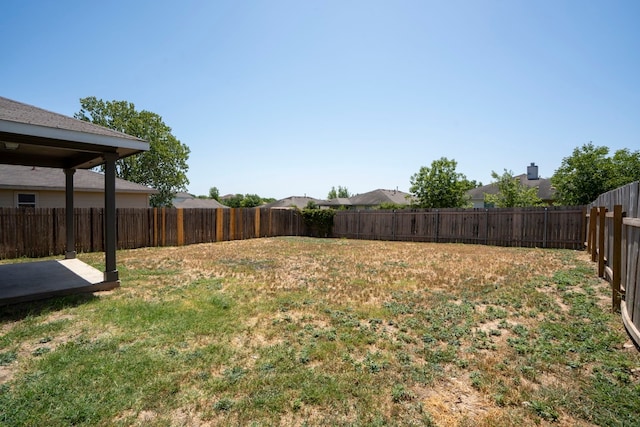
(552, 227)
(613, 239)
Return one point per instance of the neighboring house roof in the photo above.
(187, 201)
(17, 177)
(300, 202)
(378, 197)
(545, 190)
(337, 202)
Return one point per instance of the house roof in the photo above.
(545, 190)
(36, 137)
(187, 201)
(16, 177)
(300, 202)
(337, 202)
(377, 197)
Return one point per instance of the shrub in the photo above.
(319, 222)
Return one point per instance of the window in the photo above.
(26, 200)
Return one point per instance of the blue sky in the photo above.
(284, 98)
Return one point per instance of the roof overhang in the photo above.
(35, 145)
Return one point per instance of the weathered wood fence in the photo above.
(41, 232)
(613, 239)
(551, 227)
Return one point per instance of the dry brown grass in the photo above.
(359, 274)
(287, 286)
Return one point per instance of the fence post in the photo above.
(180, 226)
(393, 225)
(588, 220)
(602, 223)
(155, 227)
(219, 224)
(257, 222)
(585, 230)
(164, 227)
(486, 226)
(593, 218)
(546, 222)
(617, 257)
(232, 223)
(437, 225)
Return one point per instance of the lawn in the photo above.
(301, 331)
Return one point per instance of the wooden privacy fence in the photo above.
(550, 227)
(42, 232)
(613, 239)
(177, 227)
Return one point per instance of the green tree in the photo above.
(589, 172)
(341, 192)
(512, 193)
(234, 201)
(583, 176)
(164, 167)
(440, 186)
(214, 193)
(244, 201)
(251, 201)
(391, 206)
(626, 168)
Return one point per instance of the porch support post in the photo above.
(70, 251)
(111, 272)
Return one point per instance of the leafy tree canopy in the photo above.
(341, 192)
(512, 193)
(589, 172)
(626, 168)
(164, 167)
(440, 186)
(214, 193)
(244, 201)
(392, 206)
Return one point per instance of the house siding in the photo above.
(82, 199)
(7, 199)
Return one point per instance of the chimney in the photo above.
(532, 172)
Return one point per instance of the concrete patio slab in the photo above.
(44, 279)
